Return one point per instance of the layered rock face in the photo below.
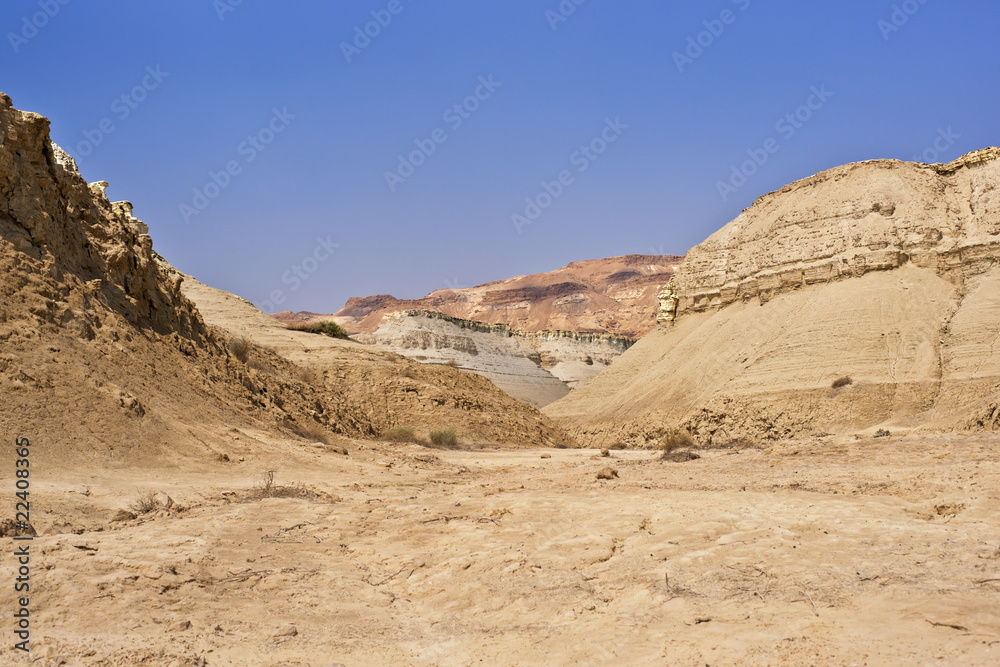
(536, 367)
(849, 221)
(102, 354)
(615, 295)
(885, 272)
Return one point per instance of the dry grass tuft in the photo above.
(444, 438)
(842, 382)
(240, 348)
(676, 439)
(401, 434)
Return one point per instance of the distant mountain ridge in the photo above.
(615, 295)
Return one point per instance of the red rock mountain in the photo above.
(615, 295)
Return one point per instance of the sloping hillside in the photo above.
(102, 355)
(392, 390)
(882, 272)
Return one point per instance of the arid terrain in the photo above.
(830, 551)
(209, 487)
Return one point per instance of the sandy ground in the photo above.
(823, 552)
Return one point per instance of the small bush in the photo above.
(240, 348)
(445, 438)
(882, 433)
(324, 327)
(266, 488)
(675, 439)
(842, 382)
(401, 434)
(144, 503)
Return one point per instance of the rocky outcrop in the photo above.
(536, 367)
(667, 312)
(945, 218)
(615, 295)
(103, 355)
(883, 275)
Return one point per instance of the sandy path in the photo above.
(821, 552)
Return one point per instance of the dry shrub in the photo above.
(240, 348)
(401, 434)
(444, 438)
(266, 487)
(842, 382)
(451, 363)
(676, 446)
(675, 439)
(144, 503)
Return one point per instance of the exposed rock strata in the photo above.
(884, 271)
(536, 367)
(615, 295)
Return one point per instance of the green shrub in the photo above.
(324, 327)
(882, 433)
(445, 438)
(240, 348)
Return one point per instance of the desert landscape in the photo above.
(514, 334)
(244, 493)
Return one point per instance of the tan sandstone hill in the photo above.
(615, 295)
(102, 356)
(883, 272)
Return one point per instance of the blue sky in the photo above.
(256, 145)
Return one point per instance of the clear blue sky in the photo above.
(224, 68)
